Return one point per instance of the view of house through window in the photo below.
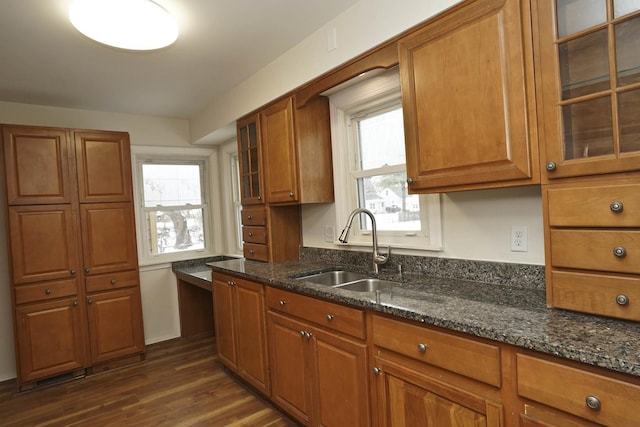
(174, 206)
(381, 176)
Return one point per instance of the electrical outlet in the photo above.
(519, 241)
(329, 233)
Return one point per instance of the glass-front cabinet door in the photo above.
(589, 71)
(249, 156)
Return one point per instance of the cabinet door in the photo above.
(108, 237)
(50, 339)
(467, 101)
(115, 324)
(341, 386)
(251, 334)
(279, 152)
(225, 327)
(250, 158)
(589, 97)
(406, 398)
(43, 243)
(104, 166)
(290, 368)
(37, 165)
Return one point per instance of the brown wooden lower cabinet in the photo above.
(51, 338)
(115, 324)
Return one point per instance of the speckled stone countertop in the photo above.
(509, 314)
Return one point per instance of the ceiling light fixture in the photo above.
(125, 24)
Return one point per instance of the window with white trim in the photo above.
(173, 208)
(370, 167)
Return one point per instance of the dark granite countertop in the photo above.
(508, 314)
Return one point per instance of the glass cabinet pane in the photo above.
(253, 136)
(588, 129)
(584, 65)
(622, 7)
(578, 15)
(244, 144)
(628, 52)
(629, 122)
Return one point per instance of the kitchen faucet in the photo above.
(377, 258)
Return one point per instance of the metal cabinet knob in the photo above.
(90, 301)
(259, 197)
(72, 272)
(422, 347)
(409, 181)
(87, 270)
(252, 252)
(308, 335)
(302, 334)
(291, 194)
(620, 251)
(48, 292)
(75, 303)
(282, 303)
(377, 371)
(329, 317)
(616, 207)
(113, 281)
(250, 234)
(622, 299)
(593, 403)
(249, 217)
(551, 166)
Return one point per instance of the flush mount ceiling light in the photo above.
(125, 24)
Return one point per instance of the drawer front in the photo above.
(594, 250)
(568, 389)
(254, 216)
(46, 291)
(332, 316)
(464, 356)
(256, 252)
(105, 282)
(605, 295)
(607, 206)
(254, 234)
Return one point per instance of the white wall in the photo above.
(475, 225)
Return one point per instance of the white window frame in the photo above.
(232, 200)
(369, 93)
(168, 155)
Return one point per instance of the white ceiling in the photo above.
(45, 61)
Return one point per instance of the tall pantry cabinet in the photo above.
(73, 259)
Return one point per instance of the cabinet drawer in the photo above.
(46, 291)
(256, 252)
(594, 250)
(336, 317)
(606, 206)
(606, 295)
(464, 356)
(109, 281)
(254, 216)
(254, 234)
(567, 389)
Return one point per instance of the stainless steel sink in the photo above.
(333, 278)
(368, 285)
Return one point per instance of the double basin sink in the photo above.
(348, 280)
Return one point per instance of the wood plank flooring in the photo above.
(180, 384)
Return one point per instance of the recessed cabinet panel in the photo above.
(104, 166)
(465, 99)
(36, 165)
(43, 243)
(108, 233)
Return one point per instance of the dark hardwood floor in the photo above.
(181, 383)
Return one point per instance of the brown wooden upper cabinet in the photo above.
(468, 99)
(589, 86)
(250, 155)
(296, 150)
(37, 163)
(104, 166)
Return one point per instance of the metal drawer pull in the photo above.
(113, 281)
(616, 207)
(422, 348)
(250, 234)
(622, 299)
(329, 317)
(593, 403)
(282, 303)
(48, 292)
(249, 217)
(252, 252)
(620, 251)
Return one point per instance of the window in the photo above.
(368, 134)
(173, 210)
(232, 205)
